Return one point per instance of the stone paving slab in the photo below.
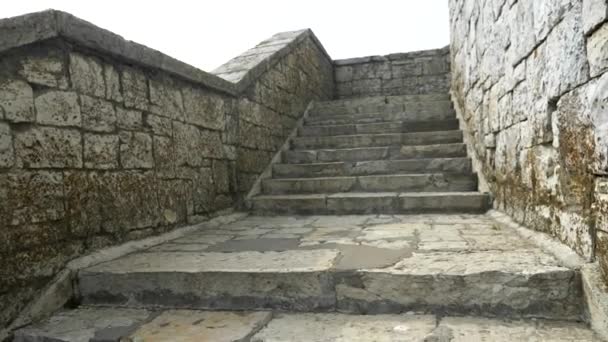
(100, 324)
(457, 264)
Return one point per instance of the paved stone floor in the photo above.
(111, 324)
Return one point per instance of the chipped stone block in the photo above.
(48, 70)
(129, 119)
(87, 75)
(134, 88)
(97, 114)
(204, 108)
(48, 147)
(58, 108)
(136, 150)
(597, 51)
(594, 13)
(7, 154)
(100, 151)
(112, 79)
(16, 101)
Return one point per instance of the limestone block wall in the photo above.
(530, 80)
(420, 72)
(104, 140)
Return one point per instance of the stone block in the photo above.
(112, 78)
(7, 153)
(130, 119)
(597, 51)
(547, 14)
(58, 108)
(406, 68)
(187, 144)
(221, 176)
(594, 12)
(48, 147)
(523, 38)
(46, 70)
(158, 124)
(166, 98)
(204, 108)
(42, 191)
(87, 75)
(367, 86)
(16, 101)
(97, 115)
(100, 151)
(598, 99)
(136, 150)
(134, 88)
(343, 73)
(203, 191)
(164, 156)
(175, 201)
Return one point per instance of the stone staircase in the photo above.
(383, 154)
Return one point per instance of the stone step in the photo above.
(121, 324)
(383, 104)
(375, 153)
(458, 264)
(375, 117)
(372, 167)
(427, 182)
(371, 203)
(382, 127)
(376, 140)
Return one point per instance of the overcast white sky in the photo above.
(206, 34)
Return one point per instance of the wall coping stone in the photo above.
(35, 27)
(393, 56)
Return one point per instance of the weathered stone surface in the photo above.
(16, 101)
(594, 13)
(97, 114)
(204, 109)
(597, 50)
(134, 88)
(100, 151)
(166, 98)
(48, 147)
(84, 325)
(112, 79)
(194, 326)
(158, 124)
(7, 153)
(87, 75)
(337, 327)
(136, 150)
(129, 119)
(46, 70)
(58, 108)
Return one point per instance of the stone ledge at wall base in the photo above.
(61, 289)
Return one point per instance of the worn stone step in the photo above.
(375, 153)
(427, 182)
(371, 203)
(383, 104)
(376, 117)
(372, 167)
(372, 140)
(105, 324)
(382, 127)
(459, 264)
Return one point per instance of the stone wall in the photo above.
(103, 140)
(530, 80)
(419, 72)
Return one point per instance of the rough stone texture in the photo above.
(418, 72)
(103, 140)
(530, 84)
(359, 264)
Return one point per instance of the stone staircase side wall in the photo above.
(103, 140)
(530, 80)
(419, 72)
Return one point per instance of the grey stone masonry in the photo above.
(420, 72)
(103, 140)
(383, 154)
